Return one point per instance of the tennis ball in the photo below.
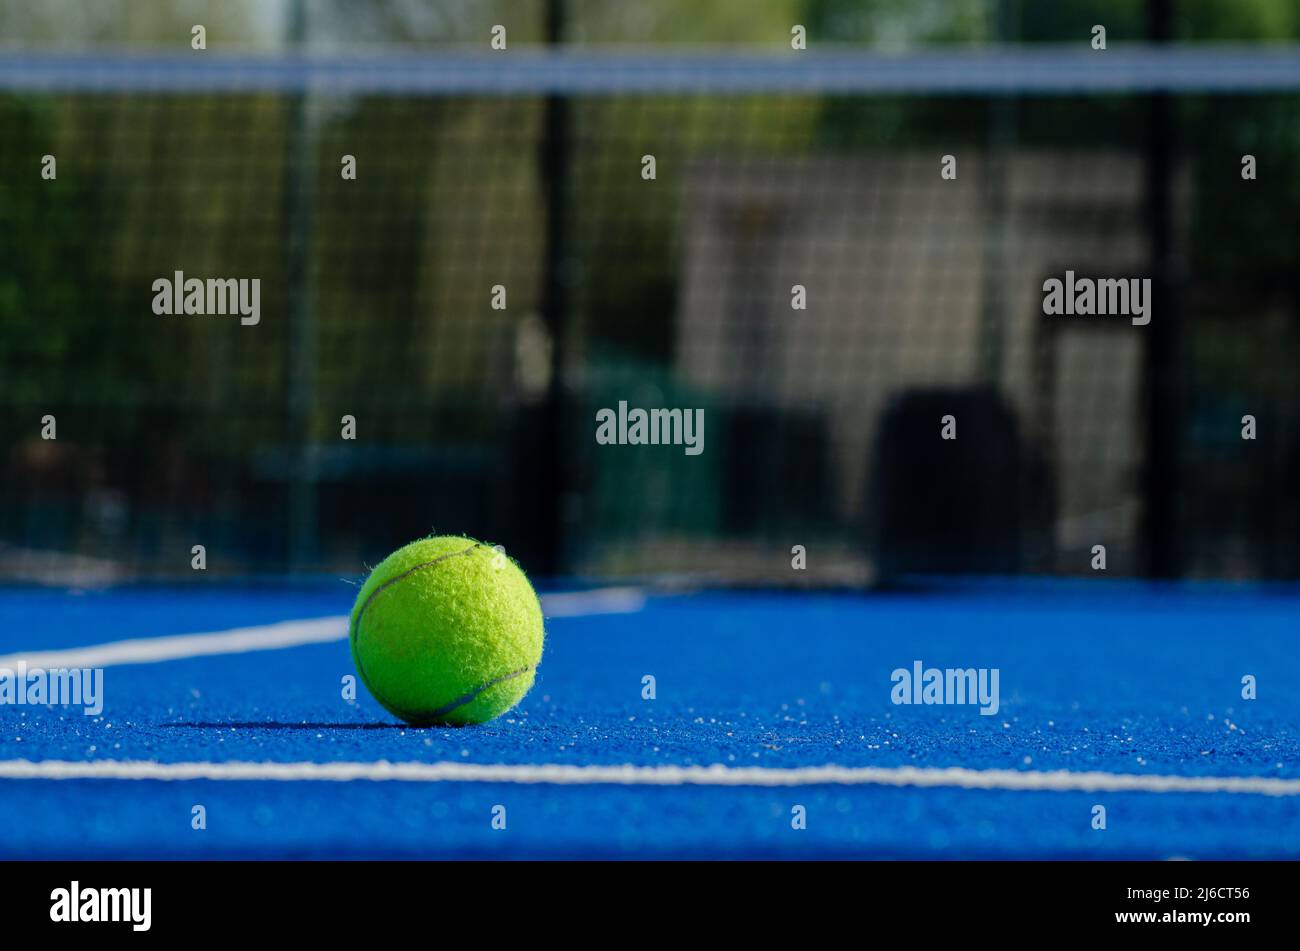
(447, 631)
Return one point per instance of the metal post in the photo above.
(301, 355)
(554, 162)
(1161, 477)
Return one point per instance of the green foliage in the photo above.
(897, 23)
(1244, 231)
(1239, 21)
(54, 351)
(688, 22)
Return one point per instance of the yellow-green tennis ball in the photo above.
(447, 631)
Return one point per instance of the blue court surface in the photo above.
(231, 698)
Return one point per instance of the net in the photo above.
(464, 261)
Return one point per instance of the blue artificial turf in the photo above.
(1114, 678)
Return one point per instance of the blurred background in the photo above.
(774, 168)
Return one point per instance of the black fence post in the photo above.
(554, 165)
(1161, 477)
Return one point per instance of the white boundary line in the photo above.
(595, 601)
(265, 637)
(628, 775)
(151, 650)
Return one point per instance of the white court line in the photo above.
(567, 775)
(596, 601)
(151, 650)
(265, 637)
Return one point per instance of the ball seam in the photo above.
(410, 571)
